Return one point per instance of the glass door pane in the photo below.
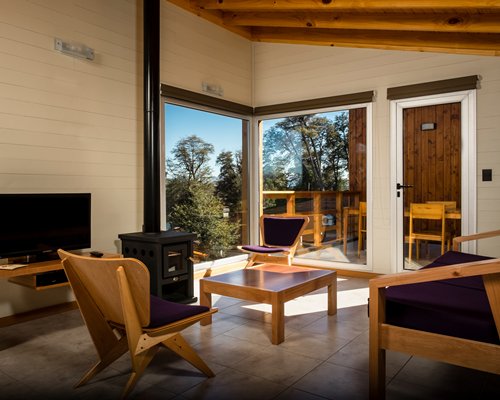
(431, 175)
(315, 165)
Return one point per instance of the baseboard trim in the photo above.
(38, 313)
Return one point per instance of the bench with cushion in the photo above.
(447, 311)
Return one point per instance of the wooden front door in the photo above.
(432, 160)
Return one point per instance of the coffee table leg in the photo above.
(278, 321)
(205, 300)
(332, 298)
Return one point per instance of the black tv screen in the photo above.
(32, 224)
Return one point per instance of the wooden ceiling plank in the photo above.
(213, 16)
(474, 44)
(479, 23)
(336, 5)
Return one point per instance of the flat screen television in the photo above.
(39, 224)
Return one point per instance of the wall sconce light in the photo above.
(212, 88)
(74, 49)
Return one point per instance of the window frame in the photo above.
(210, 109)
(256, 200)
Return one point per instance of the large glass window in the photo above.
(205, 179)
(315, 165)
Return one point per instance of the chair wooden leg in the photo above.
(179, 346)
(139, 363)
(114, 354)
(377, 355)
(410, 248)
(251, 260)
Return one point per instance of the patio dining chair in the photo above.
(361, 225)
(430, 213)
(280, 235)
(121, 315)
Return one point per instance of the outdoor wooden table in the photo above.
(271, 284)
(348, 211)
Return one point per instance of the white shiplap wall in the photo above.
(285, 73)
(70, 125)
(194, 50)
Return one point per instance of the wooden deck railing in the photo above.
(318, 205)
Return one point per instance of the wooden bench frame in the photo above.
(453, 350)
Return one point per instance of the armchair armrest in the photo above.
(485, 267)
(482, 235)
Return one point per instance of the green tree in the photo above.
(337, 145)
(308, 151)
(200, 212)
(190, 158)
(191, 203)
(228, 185)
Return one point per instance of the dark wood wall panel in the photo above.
(432, 157)
(357, 151)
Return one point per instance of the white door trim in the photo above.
(468, 159)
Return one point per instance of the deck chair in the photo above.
(361, 225)
(280, 235)
(430, 212)
(121, 315)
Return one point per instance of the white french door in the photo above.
(412, 158)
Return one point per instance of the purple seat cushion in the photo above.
(164, 312)
(455, 307)
(265, 249)
(281, 231)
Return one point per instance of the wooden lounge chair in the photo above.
(281, 236)
(115, 302)
(448, 311)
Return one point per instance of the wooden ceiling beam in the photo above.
(467, 43)
(213, 16)
(337, 5)
(479, 23)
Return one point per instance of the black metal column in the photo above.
(152, 143)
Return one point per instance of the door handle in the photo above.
(399, 186)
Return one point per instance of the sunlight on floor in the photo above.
(317, 302)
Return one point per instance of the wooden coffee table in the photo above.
(271, 284)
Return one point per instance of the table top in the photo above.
(270, 277)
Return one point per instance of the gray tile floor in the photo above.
(322, 358)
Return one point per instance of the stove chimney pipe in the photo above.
(152, 151)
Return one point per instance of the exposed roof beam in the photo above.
(480, 23)
(213, 16)
(337, 5)
(479, 44)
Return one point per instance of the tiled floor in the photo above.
(322, 358)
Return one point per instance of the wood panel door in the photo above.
(432, 162)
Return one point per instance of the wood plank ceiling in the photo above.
(445, 26)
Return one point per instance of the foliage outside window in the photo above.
(203, 196)
(315, 165)
(306, 152)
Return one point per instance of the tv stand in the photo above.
(42, 275)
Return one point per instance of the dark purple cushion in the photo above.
(265, 249)
(455, 257)
(455, 307)
(281, 231)
(164, 312)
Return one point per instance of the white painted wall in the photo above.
(285, 73)
(70, 125)
(194, 50)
